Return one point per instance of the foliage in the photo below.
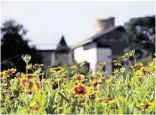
(69, 91)
(13, 45)
(140, 35)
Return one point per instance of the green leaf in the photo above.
(23, 110)
(2, 110)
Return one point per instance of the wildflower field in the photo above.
(69, 91)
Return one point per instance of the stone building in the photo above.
(105, 45)
(61, 53)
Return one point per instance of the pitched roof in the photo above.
(62, 45)
(97, 36)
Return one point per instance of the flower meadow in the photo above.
(61, 90)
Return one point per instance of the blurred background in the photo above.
(57, 33)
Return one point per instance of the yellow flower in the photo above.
(121, 58)
(56, 70)
(125, 56)
(138, 75)
(27, 84)
(10, 71)
(97, 82)
(111, 100)
(148, 105)
(38, 86)
(33, 105)
(101, 65)
(145, 69)
(80, 90)
(7, 73)
(3, 75)
(117, 62)
(92, 91)
(79, 77)
(137, 66)
(31, 76)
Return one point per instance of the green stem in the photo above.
(26, 68)
(63, 96)
(129, 63)
(42, 82)
(134, 59)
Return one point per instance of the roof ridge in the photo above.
(93, 37)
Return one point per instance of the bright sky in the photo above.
(46, 21)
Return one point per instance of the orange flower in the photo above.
(80, 90)
(30, 76)
(137, 66)
(79, 77)
(3, 75)
(33, 105)
(56, 70)
(110, 100)
(34, 108)
(38, 86)
(97, 82)
(27, 84)
(7, 73)
(145, 69)
(148, 105)
(10, 71)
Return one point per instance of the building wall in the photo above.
(94, 56)
(104, 55)
(64, 58)
(71, 57)
(47, 58)
(89, 55)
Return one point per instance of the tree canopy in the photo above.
(14, 44)
(140, 35)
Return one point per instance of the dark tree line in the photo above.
(13, 45)
(140, 35)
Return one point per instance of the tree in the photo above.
(140, 35)
(13, 46)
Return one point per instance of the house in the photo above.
(61, 53)
(106, 45)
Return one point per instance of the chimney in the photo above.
(104, 24)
